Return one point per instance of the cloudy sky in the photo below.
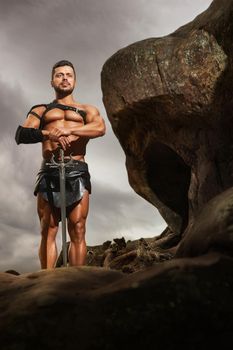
(34, 34)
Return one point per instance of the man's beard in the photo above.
(63, 92)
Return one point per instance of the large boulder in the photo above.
(181, 303)
(169, 102)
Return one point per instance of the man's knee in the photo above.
(77, 229)
(50, 233)
(48, 229)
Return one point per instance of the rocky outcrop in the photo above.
(169, 102)
(128, 257)
(212, 229)
(184, 303)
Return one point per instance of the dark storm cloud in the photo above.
(39, 33)
(15, 188)
(12, 107)
(112, 207)
(18, 250)
(16, 162)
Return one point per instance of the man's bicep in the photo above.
(31, 122)
(33, 118)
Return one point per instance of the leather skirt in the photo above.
(77, 181)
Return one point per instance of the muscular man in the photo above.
(69, 125)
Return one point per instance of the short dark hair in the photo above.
(61, 64)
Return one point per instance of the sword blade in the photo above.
(63, 205)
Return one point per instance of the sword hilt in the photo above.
(57, 164)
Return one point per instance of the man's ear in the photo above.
(52, 83)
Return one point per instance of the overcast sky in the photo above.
(34, 34)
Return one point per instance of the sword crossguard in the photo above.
(57, 164)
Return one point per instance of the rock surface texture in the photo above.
(169, 101)
(179, 304)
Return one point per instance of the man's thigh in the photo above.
(80, 211)
(48, 217)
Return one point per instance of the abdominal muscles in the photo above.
(77, 149)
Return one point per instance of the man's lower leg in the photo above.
(48, 253)
(77, 252)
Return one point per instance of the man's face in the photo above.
(63, 80)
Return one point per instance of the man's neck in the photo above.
(65, 100)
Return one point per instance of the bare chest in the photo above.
(56, 115)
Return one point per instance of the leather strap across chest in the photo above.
(53, 105)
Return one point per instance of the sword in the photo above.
(63, 204)
(61, 166)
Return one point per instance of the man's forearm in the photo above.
(45, 134)
(34, 135)
(90, 130)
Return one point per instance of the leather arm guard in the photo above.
(28, 135)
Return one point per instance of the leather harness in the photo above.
(53, 105)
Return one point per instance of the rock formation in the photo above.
(128, 257)
(182, 303)
(212, 229)
(169, 101)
